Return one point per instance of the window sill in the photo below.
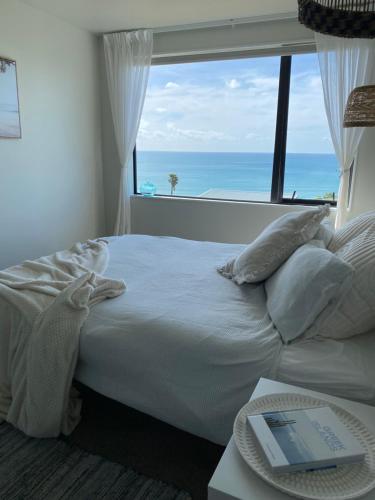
(194, 199)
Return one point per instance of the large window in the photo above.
(244, 129)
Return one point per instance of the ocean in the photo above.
(309, 175)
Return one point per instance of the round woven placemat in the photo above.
(341, 483)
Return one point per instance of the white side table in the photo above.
(233, 478)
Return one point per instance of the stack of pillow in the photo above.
(317, 282)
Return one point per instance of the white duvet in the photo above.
(188, 346)
(183, 343)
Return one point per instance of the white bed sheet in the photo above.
(182, 343)
(343, 368)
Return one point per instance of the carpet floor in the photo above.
(147, 445)
(51, 469)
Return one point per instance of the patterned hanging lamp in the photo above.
(345, 18)
(360, 109)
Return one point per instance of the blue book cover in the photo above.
(306, 439)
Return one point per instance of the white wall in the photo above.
(50, 180)
(207, 220)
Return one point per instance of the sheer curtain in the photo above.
(345, 63)
(128, 59)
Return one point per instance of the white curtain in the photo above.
(344, 64)
(128, 59)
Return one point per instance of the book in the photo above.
(301, 440)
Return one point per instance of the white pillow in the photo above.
(303, 287)
(274, 245)
(354, 312)
(352, 229)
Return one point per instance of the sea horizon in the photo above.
(309, 175)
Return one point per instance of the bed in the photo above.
(187, 346)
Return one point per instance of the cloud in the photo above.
(315, 82)
(144, 124)
(156, 137)
(196, 134)
(233, 84)
(251, 135)
(203, 113)
(207, 117)
(264, 83)
(172, 85)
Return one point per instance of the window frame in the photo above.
(281, 136)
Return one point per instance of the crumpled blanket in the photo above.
(49, 299)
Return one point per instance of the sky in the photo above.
(230, 106)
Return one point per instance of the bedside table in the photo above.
(233, 479)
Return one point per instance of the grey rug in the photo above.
(50, 469)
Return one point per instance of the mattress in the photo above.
(183, 343)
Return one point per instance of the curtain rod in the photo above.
(215, 24)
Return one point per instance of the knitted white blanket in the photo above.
(49, 299)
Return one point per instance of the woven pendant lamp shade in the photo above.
(345, 18)
(360, 108)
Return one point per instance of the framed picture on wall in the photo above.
(10, 124)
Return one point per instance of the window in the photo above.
(221, 129)
(311, 168)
